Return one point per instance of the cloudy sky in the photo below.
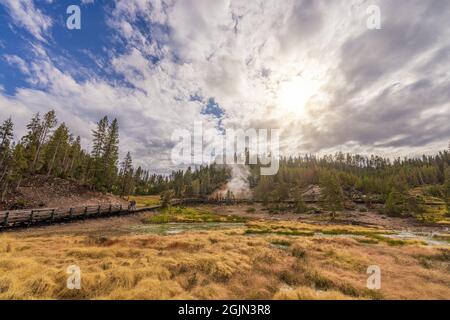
(311, 68)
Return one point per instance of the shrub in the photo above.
(394, 204)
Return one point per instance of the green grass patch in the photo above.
(389, 241)
(442, 256)
(159, 219)
(190, 215)
(286, 231)
(337, 232)
(445, 238)
(362, 236)
(145, 201)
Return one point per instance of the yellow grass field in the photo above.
(259, 259)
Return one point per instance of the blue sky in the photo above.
(312, 69)
(82, 53)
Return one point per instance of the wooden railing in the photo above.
(21, 218)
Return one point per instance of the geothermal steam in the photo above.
(238, 184)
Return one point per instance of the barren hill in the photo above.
(50, 192)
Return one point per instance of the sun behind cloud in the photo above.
(294, 94)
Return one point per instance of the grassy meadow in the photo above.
(259, 259)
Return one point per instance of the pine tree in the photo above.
(300, 206)
(97, 154)
(127, 175)
(395, 203)
(19, 163)
(166, 199)
(31, 139)
(74, 157)
(416, 205)
(48, 123)
(263, 189)
(188, 182)
(99, 139)
(111, 153)
(332, 196)
(447, 188)
(55, 150)
(6, 138)
(6, 170)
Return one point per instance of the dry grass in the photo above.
(227, 264)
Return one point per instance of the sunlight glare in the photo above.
(294, 94)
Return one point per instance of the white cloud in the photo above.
(26, 15)
(244, 54)
(18, 62)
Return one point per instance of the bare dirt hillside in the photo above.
(49, 192)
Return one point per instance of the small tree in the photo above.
(394, 205)
(55, 149)
(166, 198)
(19, 163)
(127, 175)
(281, 192)
(447, 189)
(6, 138)
(48, 123)
(332, 196)
(300, 206)
(416, 205)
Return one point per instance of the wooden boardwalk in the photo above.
(32, 217)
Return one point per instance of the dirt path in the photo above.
(110, 226)
(116, 226)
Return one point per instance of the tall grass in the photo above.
(221, 264)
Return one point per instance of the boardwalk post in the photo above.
(110, 208)
(53, 215)
(98, 209)
(31, 217)
(85, 211)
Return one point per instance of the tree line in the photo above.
(388, 181)
(49, 148)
